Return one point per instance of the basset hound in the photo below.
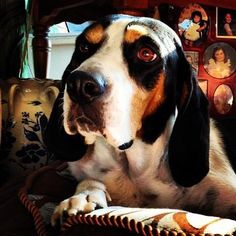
(134, 124)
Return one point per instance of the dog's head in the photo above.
(126, 78)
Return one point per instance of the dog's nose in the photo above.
(126, 145)
(83, 86)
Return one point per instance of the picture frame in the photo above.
(225, 23)
(193, 25)
(203, 84)
(193, 59)
(223, 99)
(220, 60)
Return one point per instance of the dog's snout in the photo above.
(83, 86)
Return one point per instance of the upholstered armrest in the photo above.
(48, 186)
(146, 221)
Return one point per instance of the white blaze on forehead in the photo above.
(118, 112)
(166, 45)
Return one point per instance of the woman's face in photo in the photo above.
(219, 55)
(228, 18)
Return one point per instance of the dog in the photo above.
(134, 125)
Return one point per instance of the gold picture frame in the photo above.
(225, 23)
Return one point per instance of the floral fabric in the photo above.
(26, 106)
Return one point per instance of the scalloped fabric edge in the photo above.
(146, 221)
(143, 221)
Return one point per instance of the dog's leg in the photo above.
(89, 195)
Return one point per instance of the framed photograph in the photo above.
(225, 23)
(203, 84)
(193, 58)
(220, 60)
(223, 99)
(193, 25)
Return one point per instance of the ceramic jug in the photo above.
(26, 106)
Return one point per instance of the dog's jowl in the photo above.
(132, 118)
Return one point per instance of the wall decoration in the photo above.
(223, 99)
(203, 84)
(200, 46)
(225, 23)
(193, 58)
(193, 25)
(220, 60)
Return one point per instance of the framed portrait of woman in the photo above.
(220, 60)
(225, 23)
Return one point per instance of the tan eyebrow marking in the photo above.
(95, 34)
(157, 96)
(134, 32)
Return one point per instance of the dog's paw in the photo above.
(90, 195)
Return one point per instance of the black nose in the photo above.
(83, 86)
(126, 145)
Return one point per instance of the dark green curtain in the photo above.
(13, 38)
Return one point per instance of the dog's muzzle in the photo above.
(89, 90)
(84, 88)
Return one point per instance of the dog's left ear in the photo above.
(189, 142)
(65, 147)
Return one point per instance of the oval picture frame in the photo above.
(193, 25)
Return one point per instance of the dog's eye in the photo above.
(84, 48)
(146, 54)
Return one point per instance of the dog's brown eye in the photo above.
(84, 48)
(146, 54)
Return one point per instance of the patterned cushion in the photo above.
(40, 200)
(146, 221)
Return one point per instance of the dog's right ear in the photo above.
(189, 142)
(63, 146)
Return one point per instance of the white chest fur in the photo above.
(136, 177)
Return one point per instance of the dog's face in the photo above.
(127, 77)
(118, 77)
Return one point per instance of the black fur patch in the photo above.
(78, 57)
(154, 124)
(146, 76)
(150, 196)
(144, 73)
(64, 146)
(189, 142)
(231, 213)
